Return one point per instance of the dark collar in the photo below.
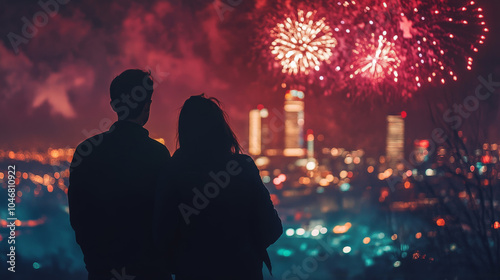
(129, 128)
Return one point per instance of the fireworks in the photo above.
(384, 47)
(438, 37)
(376, 60)
(301, 43)
(431, 39)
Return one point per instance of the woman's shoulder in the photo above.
(245, 161)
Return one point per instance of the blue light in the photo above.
(284, 252)
(345, 187)
(266, 179)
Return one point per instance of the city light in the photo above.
(340, 229)
(310, 165)
(346, 250)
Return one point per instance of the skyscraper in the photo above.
(254, 133)
(395, 140)
(294, 123)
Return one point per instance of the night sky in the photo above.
(57, 85)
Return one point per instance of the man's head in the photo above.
(131, 93)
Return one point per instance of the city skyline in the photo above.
(59, 98)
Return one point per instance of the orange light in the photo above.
(54, 153)
(385, 193)
(50, 188)
(496, 225)
(418, 235)
(366, 240)
(486, 159)
(407, 185)
(342, 229)
(440, 222)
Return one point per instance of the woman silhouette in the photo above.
(215, 217)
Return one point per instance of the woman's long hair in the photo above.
(203, 128)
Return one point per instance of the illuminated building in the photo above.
(310, 143)
(254, 134)
(257, 129)
(395, 139)
(266, 136)
(294, 124)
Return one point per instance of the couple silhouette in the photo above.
(139, 213)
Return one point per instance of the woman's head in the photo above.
(203, 127)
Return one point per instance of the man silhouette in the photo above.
(111, 188)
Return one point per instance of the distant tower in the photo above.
(395, 139)
(310, 143)
(294, 124)
(254, 133)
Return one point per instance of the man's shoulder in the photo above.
(89, 144)
(157, 146)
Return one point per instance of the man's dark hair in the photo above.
(130, 91)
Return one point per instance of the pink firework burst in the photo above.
(376, 59)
